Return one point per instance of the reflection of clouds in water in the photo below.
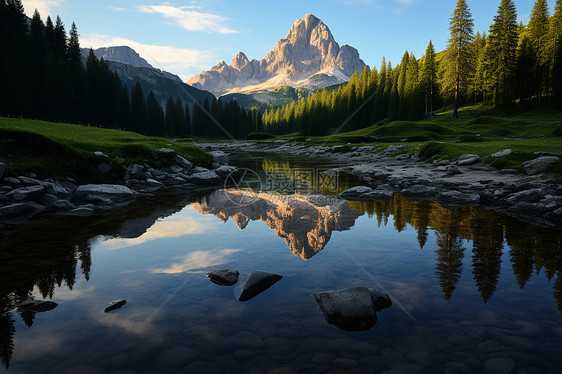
(197, 260)
(180, 224)
(410, 295)
(35, 345)
(65, 293)
(133, 321)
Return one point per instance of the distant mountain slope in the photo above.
(307, 57)
(162, 83)
(123, 54)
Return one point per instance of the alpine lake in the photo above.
(472, 290)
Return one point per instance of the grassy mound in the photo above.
(58, 149)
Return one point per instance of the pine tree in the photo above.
(458, 57)
(74, 56)
(187, 124)
(59, 39)
(538, 35)
(555, 52)
(526, 59)
(429, 77)
(503, 41)
(138, 110)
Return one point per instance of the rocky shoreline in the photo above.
(24, 197)
(533, 197)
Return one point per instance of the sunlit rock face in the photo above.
(305, 222)
(308, 56)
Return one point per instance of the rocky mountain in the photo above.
(161, 83)
(305, 224)
(124, 54)
(307, 57)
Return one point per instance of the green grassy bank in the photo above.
(53, 150)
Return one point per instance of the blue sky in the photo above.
(188, 36)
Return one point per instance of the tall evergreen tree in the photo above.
(59, 39)
(458, 62)
(429, 77)
(555, 52)
(538, 35)
(503, 42)
(138, 110)
(74, 56)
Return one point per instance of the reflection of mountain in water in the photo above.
(305, 222)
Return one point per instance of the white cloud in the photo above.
(197, 260)
(117, 9)
(181, 61)
(43, 6)
(189, 19)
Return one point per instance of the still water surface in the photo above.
(472, 290)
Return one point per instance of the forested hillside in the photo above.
(42, 76)
(509, 65)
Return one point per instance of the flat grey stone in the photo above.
(219, 157)
(205, 178)
(108, 194)
(249, 286)
(502, 153)
(539, 165)
(101, 154)
(394, 149)
(468, 159)
(46, 199)
(183, 163)
(61, 205)
(459, 198)
(223, 277)
(26, 193)
(225, 170)
(356, 193)
(12, 180)
(21, 210)
(419, 191)
(80, 212)
(166, 151)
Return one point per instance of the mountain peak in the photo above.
(308, 51)
(123, 54)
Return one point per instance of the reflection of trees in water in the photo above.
(487, 241)
(530, 247)
(44, 272)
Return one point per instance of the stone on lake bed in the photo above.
(36, 306)
(223, 277)
(355, 192)
(115, 304)
(352, 309)
(419, 191)
(251, 285)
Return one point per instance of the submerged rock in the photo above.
(459, 198)
(249, 286)
(352, 309)
(20, 211)
(36, 306)
(223, 277)
(115, 304)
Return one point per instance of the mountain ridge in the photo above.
(307, 57)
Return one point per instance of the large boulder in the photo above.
(539, 165)
(468, 159)
(205, 178)
(225, 170)
(251, 285)
(352, 309)
(502, 153)
(419, 192)
(115, 304)
(223, 277)
(108, 194)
